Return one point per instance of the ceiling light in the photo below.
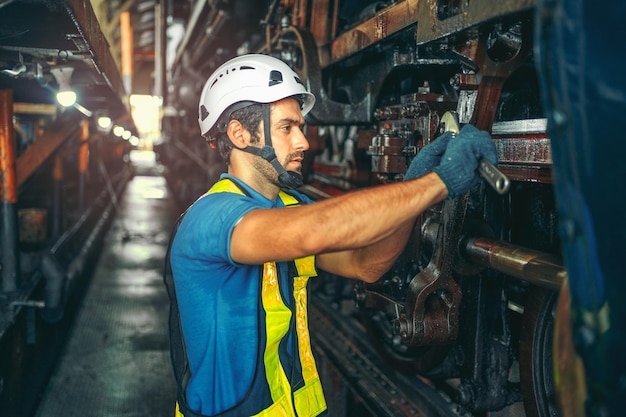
(118, 130)
(65, 95)
(104, 122)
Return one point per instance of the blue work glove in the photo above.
(458, 167)
(428, 157)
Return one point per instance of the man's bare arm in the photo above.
(370, 262)
(367, 219)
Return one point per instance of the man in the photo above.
(243, 252)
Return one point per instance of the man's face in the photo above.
(289, 142)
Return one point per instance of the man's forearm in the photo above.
(356, 220)
(372, 215)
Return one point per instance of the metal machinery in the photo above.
(465, 321)
(471, 306)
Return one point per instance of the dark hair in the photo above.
(250, 118)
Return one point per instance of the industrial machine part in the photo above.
(385, 75)
(469, 306)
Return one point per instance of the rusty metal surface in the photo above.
(526, 158)
(321, 21)
(423, 14)
(524, 150)
(97, 46)
(9, 231)
(386, 23)
(494, 72)
(8, 189)
(467, 14)
(434, 296)
(55, 135)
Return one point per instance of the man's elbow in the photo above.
(371, 270)
(370, 275)
(369, 279)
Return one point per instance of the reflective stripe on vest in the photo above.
(307, 401)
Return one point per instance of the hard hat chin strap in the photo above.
(288, 179)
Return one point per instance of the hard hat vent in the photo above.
(276, 77)
(204, 113)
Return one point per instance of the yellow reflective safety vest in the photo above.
(280, 392)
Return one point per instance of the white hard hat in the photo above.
(249, 78)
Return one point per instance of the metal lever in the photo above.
(487, 170)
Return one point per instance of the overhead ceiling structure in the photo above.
(139, 43)
(39, 36)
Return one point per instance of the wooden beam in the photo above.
(55, 135)
(35, 108)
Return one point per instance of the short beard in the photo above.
(267, 170)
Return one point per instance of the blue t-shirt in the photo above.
(218, 299)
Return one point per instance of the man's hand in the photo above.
(428, 157)
(458, 167)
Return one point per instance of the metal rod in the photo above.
(540, 268)
(83, 163)
(57, 197)
(8, 189)
(126, 38)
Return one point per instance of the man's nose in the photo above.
(301, 143)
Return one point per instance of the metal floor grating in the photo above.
(116, 360)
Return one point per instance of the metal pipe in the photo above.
(540, 268)
(54, 291)
(83, 163)
(57, 197)
(8, 190)
(126, 39)
(159, 49)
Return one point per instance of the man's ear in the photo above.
(237, 134)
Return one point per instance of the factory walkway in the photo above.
(116, 359)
